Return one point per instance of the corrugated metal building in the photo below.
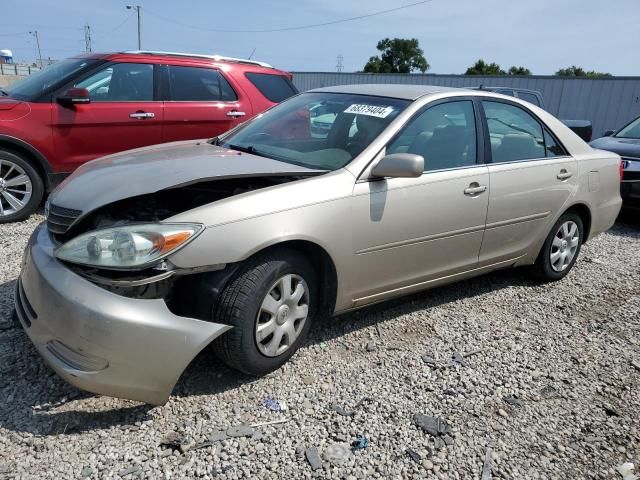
(607, 102)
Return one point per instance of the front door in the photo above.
(122, 115)
(202, 104)
(532, 177)
(409, 231)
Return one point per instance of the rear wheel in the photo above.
(21, 188)
(270, 303)
(561, 248)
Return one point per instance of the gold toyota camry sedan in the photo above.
(335, 199)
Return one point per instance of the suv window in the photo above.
(514, 133)
(192, 84)
(120, 82)
(274, 87)
(529, 97)
(445, 135)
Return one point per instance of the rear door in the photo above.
(531, 177)
(201, 103)
(124, 113)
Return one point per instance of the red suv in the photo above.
(92, 105)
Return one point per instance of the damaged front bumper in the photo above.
(99, 341)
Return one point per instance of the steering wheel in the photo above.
(260, 137)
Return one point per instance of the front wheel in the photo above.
(21, 188)
(270, 304)
(561, 248)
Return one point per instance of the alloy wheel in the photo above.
(282, 315)
(15, 188)
(564, 246)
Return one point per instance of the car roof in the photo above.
(406, 92)
(158, 56)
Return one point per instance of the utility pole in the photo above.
(87, 38)
(138, 8)
(339, 66)
(35, 34)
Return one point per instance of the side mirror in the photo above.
(74, 96)
(608, 133)
(401, 165)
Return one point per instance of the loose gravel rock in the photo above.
(535, 381)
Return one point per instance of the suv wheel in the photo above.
(270, 304)
(561, 248)
(21, 188)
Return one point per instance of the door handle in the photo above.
(564, 174)
(474, 189)
(235, 114)
(142, 115)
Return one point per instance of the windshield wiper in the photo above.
(248, 149)
(4, 92)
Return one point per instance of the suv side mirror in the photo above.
(74, 96)
(608, 133)
(400, 165)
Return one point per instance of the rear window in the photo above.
(192, 84)
(274, 87)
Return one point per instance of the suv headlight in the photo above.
(126, 247)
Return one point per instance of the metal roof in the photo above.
(407, 92)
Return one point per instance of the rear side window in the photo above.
(274, 87)
(193, 84)
(514, 134)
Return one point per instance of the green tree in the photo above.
(574, 71)
(398, 55)
(483, 68)
(519, 71)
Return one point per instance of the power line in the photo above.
(117, 27)
(286, 29)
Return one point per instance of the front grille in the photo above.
(60, 219)
(25, 311)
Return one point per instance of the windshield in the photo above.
(632, 130)
(316, 130)
(30, 88)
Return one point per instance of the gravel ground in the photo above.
(545, 378)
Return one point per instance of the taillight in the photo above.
(621, 169)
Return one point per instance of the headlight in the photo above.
(131, 246)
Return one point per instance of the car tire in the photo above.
(561, 248)
(250, 347)
(29, 192)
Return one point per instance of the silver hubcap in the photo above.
(282, 315)
(15, 188)
(564, 246)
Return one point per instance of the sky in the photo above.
(543, 35)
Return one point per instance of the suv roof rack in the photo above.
(199, 55)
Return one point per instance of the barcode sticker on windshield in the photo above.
(371, 110)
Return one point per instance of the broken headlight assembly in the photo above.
(129, 246)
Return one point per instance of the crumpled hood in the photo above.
(628, 147)
(150, 169)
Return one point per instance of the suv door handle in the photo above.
(564, 174)
(474, 189)
(142, 115)
(235, 114)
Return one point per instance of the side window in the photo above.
(445, 135)
(274, 87)
(529, 97)
(514, 133)
(193, 84)
(120, 82)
